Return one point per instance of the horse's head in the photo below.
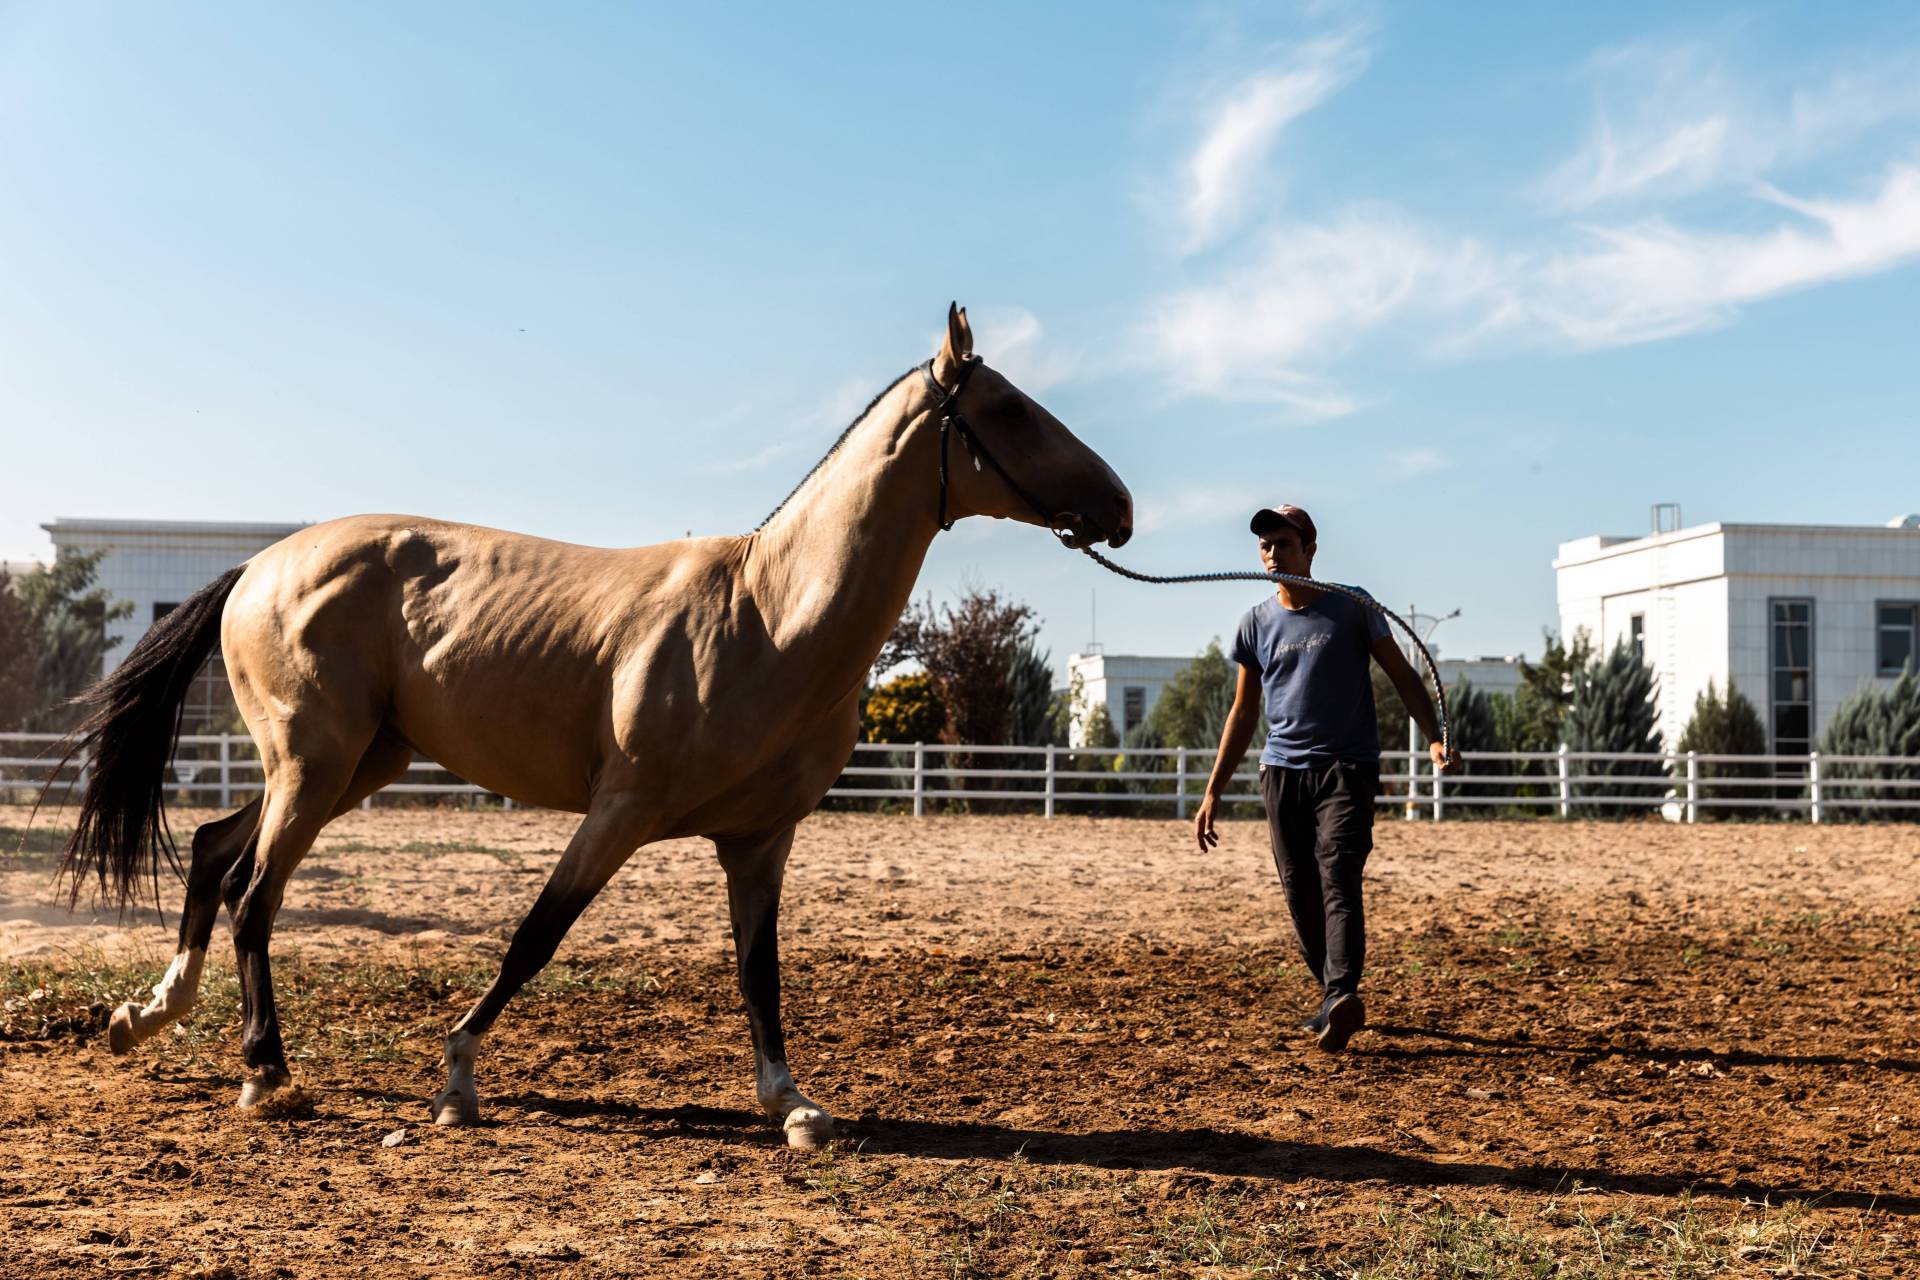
(1009, 458)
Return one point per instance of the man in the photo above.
(1306, 650)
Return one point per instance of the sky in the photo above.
(1465, 283)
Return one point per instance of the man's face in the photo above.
(1281, 552)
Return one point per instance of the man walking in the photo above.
(1306, 652)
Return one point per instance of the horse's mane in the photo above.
(834, 448)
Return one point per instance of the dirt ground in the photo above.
(1056, 1048)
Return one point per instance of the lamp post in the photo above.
(1414, 619)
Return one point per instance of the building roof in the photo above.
(174, 528)
(1599, 546)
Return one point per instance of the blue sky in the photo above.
(1465, 283)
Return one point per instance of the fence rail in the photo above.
(224, 769)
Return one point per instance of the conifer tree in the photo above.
(1875, 722)
(1725, 726)
(1612, 710)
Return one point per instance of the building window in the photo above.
(1899, 635)
(1637, 636)
(1792, 661)
(1133, 707)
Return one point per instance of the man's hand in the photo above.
(1445, 759)
(1203, 831)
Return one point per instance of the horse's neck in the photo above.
(831, 571)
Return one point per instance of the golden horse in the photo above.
(704, 687)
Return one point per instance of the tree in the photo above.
(1031, 687)
(1192, 709)
(1725, 727)
(1471, 727)
(968, 651)
(70, 617)
(1536, 719)
(1876, 722)
(1612, 710)
(19, 659)
(905, 709)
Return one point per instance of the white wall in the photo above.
(1104, 680)
(151, 562)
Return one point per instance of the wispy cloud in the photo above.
(1650, 279)
(1013, 341)
(1407, 463)
(804, 433)
(1306, 294)
(1672, 120)
(1190, 508)
(1230, 163)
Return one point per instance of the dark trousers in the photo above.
(1321, 824)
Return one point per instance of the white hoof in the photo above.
(808, 1128)
(122, 1034)
(454, 1108)
(274, 1096)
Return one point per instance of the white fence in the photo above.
(224, 770)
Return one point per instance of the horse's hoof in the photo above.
(275, 1098)
(452, 1108)
(808, 1128)
(121, 1037)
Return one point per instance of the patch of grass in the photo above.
(33, 847)
(1218, 1231)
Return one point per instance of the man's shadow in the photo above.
(1458, 1044)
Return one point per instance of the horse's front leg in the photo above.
(754, 870)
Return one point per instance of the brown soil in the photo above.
(1056, 1048)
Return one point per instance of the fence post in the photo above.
(919, 779)
(1813, 786)
(1566, 789)
(1180, 776)
(1436, 793)
(1050, 752)
(1693, 786)
(226, 771)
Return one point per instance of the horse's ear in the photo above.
(959, 343)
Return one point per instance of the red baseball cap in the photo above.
(1266, 517)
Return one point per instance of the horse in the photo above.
(703, 687)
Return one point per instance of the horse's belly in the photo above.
(526, 752)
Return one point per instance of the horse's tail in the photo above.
(127, 737)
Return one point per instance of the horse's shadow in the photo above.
(1205, 1150)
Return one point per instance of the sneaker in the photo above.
(1316, 1024)
(1342, 1018)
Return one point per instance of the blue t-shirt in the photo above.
(1312, 664)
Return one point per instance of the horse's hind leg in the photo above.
(303, 794)
(755, 870)
(217, 846)
(614, 827)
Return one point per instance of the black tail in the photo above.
(127, 737)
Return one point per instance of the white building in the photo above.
(1489, 675)
(156, 564)
(1797, 617)
(1128, 685)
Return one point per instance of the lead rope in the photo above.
(1433, 672)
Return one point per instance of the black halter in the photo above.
(951, 421)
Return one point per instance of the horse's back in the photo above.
(494, 653)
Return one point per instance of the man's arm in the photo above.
(1415, 698)
(1234, 736)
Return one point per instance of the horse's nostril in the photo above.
(1120, 536)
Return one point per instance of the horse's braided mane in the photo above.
(834, 448)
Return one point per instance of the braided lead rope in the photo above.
(1433, 672)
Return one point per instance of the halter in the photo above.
(951, 422)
